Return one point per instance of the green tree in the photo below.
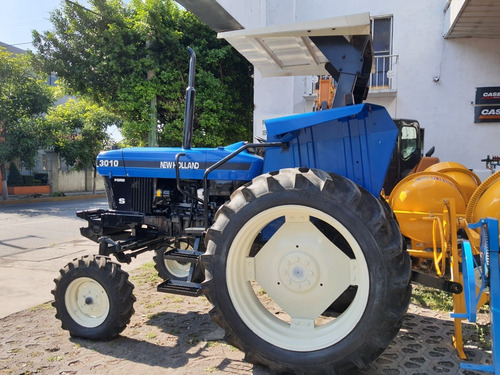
(122, 56)
(24, 97)
(79, 132)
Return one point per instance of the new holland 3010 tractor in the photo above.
(304, 226)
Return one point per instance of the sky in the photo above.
(19, 17)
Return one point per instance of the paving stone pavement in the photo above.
(424, 346)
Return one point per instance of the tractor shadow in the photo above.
(173, 340)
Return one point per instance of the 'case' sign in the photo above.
(487, 107)
(487, 113)
(487, 95)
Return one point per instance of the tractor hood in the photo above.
(159, 162)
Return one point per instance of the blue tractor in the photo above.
(289, 238)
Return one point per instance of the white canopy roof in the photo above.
(287, 50)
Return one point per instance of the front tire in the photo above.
(284, 249)
(173, 269)
(93, 298)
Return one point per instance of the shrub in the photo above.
(43, 177)
(15, 178)
(29, 181)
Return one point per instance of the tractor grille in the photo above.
(141, 194)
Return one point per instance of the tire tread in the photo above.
(380, 223)
(116, 281)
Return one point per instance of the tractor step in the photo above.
(188, 256)
(184, 288)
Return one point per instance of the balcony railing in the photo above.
(383, 79)
(384, 74)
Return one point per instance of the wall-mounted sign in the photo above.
(487, 108)
(488, 95)
(487, 113)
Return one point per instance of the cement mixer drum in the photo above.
(467, 179)
(485, 201)
(420, 196)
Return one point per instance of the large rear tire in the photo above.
(284, 249)
(93, 298)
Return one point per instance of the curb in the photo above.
(50, 199)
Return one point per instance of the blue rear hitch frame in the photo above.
(490, 278)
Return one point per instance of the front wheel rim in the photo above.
(178, 269)
(87, 302)
(294, 268)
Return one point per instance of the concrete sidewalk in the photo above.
(27, 277)
(28, 199)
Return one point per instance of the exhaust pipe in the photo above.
(189, 113)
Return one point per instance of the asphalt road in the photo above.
(32, 228)
(36, 240)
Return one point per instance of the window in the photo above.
(382, 48)
(408, 141)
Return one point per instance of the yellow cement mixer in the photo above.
(467, 179)
(485, 201)
(431, 207)
(417, 201)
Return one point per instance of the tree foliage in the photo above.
(121, 56)
(79, 131)
(24, 97)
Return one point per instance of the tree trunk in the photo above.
(3, 171)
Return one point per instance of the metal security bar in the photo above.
(384, 73)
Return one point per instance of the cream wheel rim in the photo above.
(303, 272)
(87, 302)
(176, 268)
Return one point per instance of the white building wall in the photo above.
(444, 108)
(249, 13)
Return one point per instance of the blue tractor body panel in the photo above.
(159, 162)
(356, 142)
